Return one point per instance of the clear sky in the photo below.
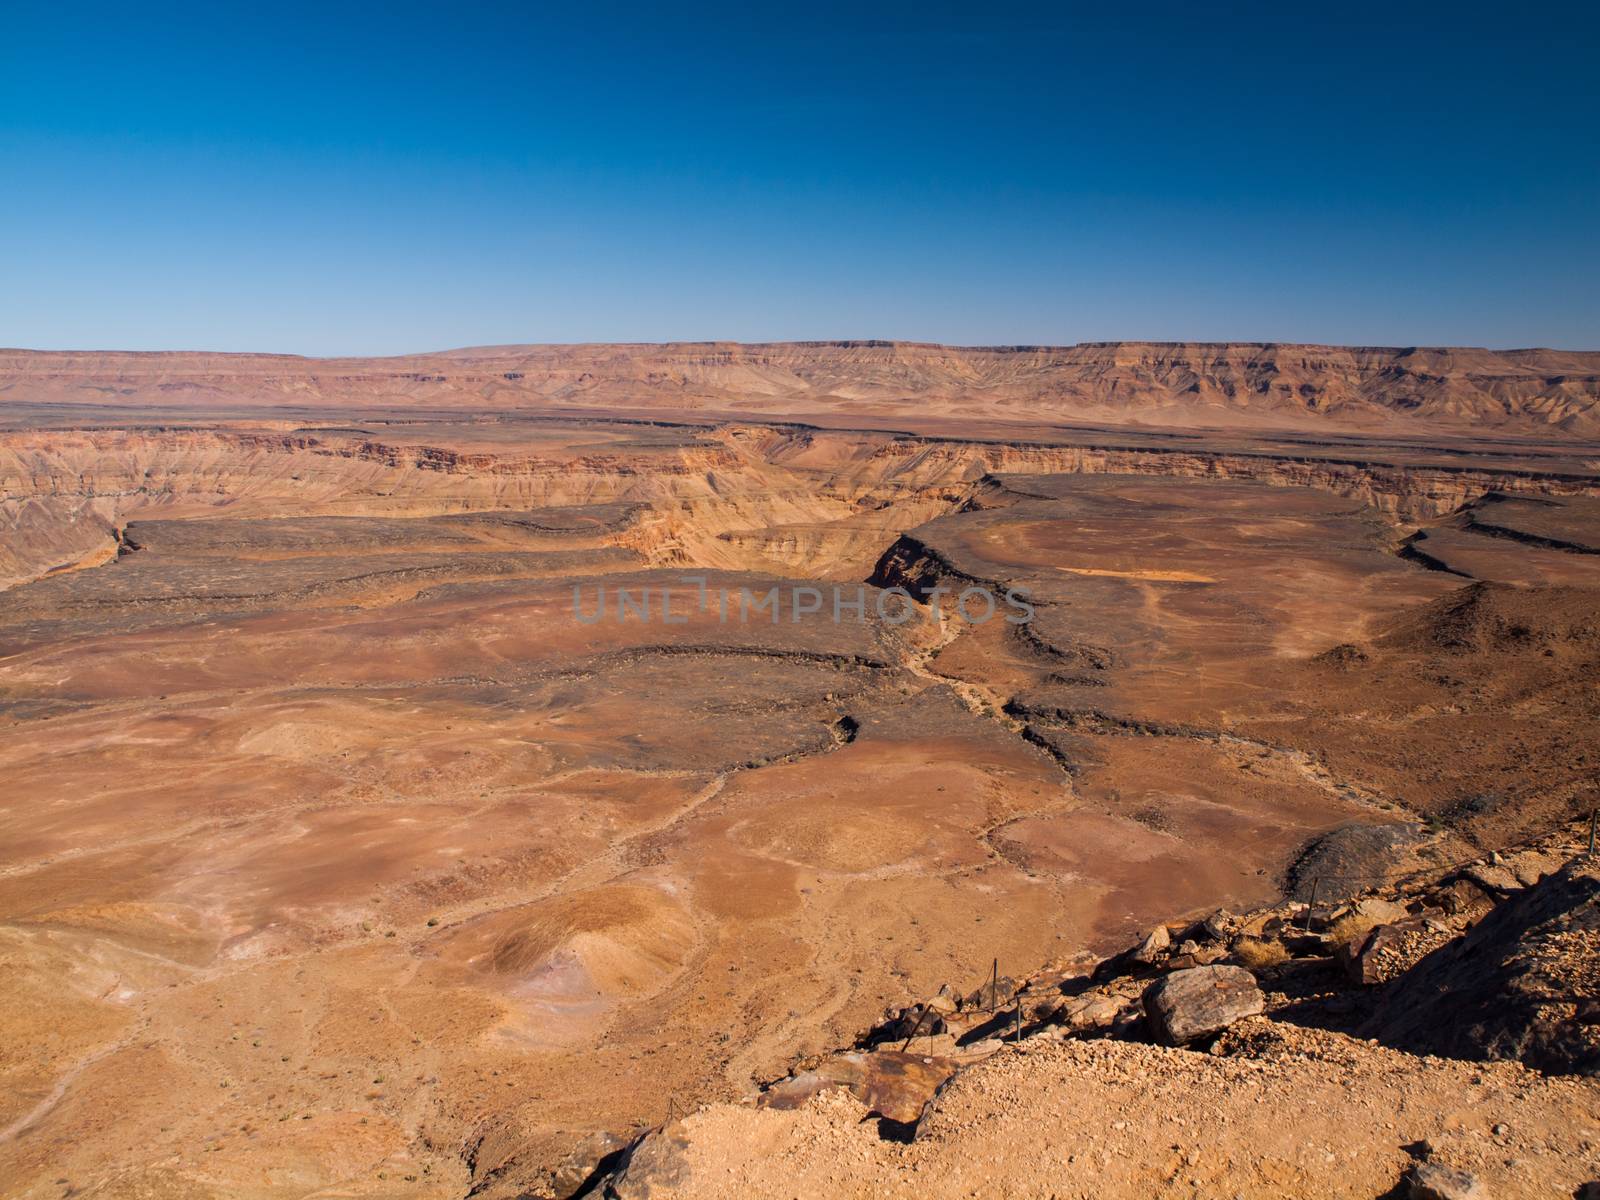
(381, 178)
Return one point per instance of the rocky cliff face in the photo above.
(64, 492)
(1540, 392)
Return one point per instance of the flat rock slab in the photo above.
(889, 1083)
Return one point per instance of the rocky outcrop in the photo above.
(1573, 527)
(64, 492)
(1355, 858)
(1523, 984)
(653, 1165)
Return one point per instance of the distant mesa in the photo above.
(1225, 385)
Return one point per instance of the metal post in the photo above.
(1315, 880)
(1593, 818)
(1018, 1036)
(994, 986)
(915, 1029)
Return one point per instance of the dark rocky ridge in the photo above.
(1521, 984)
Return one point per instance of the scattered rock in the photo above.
(1188, 1005)
(1549, 955)
(1156, 943)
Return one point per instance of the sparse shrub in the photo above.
(1351, 927)
(1255, 953)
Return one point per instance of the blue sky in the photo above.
(328, 179)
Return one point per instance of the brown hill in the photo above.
(1527, 392)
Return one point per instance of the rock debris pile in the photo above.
(1434, 1038)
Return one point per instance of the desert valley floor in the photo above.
(340, 857)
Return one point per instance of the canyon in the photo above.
(342, 854)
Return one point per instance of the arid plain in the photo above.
(340, 856)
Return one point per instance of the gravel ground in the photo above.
(1281, 1111)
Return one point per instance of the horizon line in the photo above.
(487, 349)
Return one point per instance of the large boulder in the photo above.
(1188, 1005)
(1378, 911)
(1524, 983)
